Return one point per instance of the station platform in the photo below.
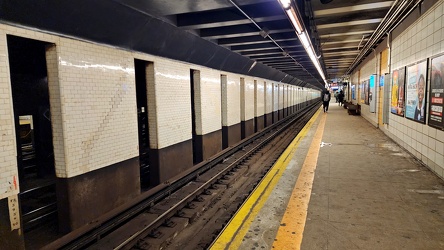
(341, 184)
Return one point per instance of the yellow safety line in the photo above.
(289, 235)
(234, 232)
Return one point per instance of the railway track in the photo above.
(193, 210)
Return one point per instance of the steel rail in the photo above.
(93, 235)
(141, 233)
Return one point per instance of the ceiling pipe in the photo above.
(267, 35)
(390, 22)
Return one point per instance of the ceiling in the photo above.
(339, 30)
(253, 37)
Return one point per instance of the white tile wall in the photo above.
(233, 99)
(208, 97)
(248, 99)
(423, 39)
(52, 65)
(173, 102)
(281, 96)
(8, 164)
(260, 98)
(97, 88)
(93, 104)
(276, 91)
(268, 97)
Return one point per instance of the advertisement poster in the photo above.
(372, 93)
(436, 99)
(398, 86)
(362, 96)
(353, 92)
(416, 88)
(367, 91)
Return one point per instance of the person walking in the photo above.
(341, 98)
(326, 96)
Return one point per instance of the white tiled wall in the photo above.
(297, 95)
(232, 102)
(97, 86)
(208, 102)
(172, 95)
(282, 96)
(276, 91)
(422, 40)
(368, 69)
(268, 97)
(248, 99)
(52, 65)
(260, 98)
(8, 164)
(93, 104)
(289, 95)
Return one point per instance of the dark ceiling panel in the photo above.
(267, 45)
(362, 15)
(261, 12)
(285, 36)
(215, 33)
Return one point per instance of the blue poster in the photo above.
(372, 93)
(353, 92)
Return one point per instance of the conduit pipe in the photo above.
(390, 21)
(267, 35)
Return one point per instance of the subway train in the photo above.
(87, 127)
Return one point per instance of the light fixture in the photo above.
(304, 40)
(295, 20)
(293, 15)
(252, 66)
(285, 3)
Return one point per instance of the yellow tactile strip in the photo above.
(292, 225)
(234, 232)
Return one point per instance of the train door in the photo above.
(35, 154)
(140, 68)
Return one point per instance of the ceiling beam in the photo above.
(353, 8)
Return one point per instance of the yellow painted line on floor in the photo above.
(289, 235)
(234, 232)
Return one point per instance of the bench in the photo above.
(353, 109)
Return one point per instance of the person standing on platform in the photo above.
(326, 96)
(341, 98)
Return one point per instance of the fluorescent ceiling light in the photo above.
(293, 15)
(295, 20)
(285, 3)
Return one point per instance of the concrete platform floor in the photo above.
(367, 193)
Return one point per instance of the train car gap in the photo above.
(197, 142)
(140, 68)
(35, 154)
